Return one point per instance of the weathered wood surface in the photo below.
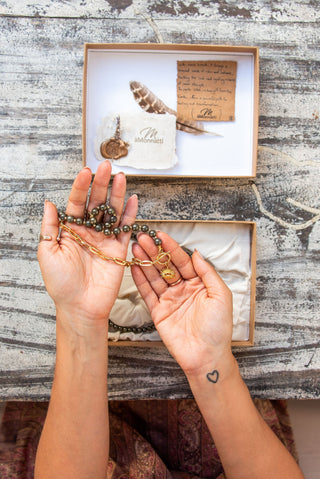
(41, 88)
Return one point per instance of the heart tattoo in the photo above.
(213, 377)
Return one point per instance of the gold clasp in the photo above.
(162, 254)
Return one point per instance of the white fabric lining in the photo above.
(226, 246)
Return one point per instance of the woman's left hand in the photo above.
(192, 311)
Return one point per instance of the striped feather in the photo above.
(150, 103)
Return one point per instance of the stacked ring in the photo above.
(176, 282)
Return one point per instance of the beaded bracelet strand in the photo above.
(146, 328)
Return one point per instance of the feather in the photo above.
(150, 103)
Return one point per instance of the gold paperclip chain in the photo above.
(166, 272)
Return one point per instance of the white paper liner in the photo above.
(226, 246)
(108, 75)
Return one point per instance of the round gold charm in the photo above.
(167, 273)
(114, 148)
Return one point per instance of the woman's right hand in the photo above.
(82, 285)
(193, 317)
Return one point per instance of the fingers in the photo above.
(118, 191)
(78, 195)
(180, 262)
(49, 229)
(152, 252)
(99, 192)
(179, 258)
(128, 217)
(151, 273)
(209, 276)
(147, 293)
(99, 189)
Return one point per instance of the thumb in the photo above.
(49, 228)
(212, 281)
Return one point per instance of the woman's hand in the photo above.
(81, 284)
(193, 317)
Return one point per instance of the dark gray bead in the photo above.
(126, 228)
(70, 219)
(152, 233)
(116, 231)
(93, 221)
(144, 228)
(157, 241)
(98, 227)
(107, 232)
(135, 227)
(95, 212)
(113, 219)
(79, 221)
(103, 207)
(111, 211)
(107, 225)
(88, 224)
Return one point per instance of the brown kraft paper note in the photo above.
(206, 90)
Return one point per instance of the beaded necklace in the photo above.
(106, 227)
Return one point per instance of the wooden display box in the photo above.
(231, 247)
(108, 71)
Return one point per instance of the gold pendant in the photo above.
(167, 273)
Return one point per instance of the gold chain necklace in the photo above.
(106, 227)
(163, 258)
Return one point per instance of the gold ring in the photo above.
(45, 238)
(176, 282)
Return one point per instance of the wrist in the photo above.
(216, 370)
(78, 322)
(80, 339)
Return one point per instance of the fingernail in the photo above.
(45, 205)
(134, 196)
(138, 235)
(198, 252)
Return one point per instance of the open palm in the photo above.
(77, 280)
(193, 317)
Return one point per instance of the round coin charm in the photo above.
(167, 273)
(114, 148)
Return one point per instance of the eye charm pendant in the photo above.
(114, 148)
(167, 273)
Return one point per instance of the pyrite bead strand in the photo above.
(132, 329)
(90, 221)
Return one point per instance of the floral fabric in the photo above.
(152, 439)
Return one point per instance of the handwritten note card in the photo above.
(206, 90)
